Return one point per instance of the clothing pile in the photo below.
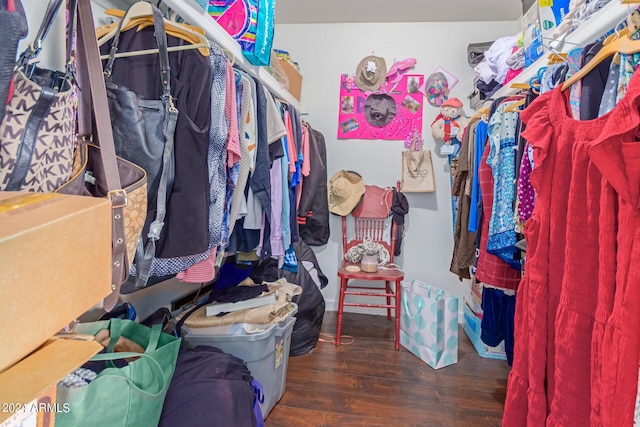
(493, 72)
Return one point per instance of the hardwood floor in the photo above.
(369, 384)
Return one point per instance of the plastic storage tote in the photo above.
(265, 353)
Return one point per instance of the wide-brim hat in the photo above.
(371, 73)
(345, 190)
(379, 109)
(437, 89)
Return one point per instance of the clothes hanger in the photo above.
(195, 42)
(515, 107)
(481, 112)
(281, 101)
(117, 13)
(230, 56)
(620, 45)
(142, 13)
(556, 58)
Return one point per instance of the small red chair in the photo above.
(370, 218)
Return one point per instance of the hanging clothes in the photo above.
(185, 232)
(313, 210)
(593, 84)
(464, 250)
(233, 151)
(502, 141)
(199, 271)
(247, 137)
(491, 269)
(577, 318)
(479, 141)
(203, 270)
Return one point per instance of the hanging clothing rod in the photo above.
(193, 14)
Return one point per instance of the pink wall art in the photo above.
(390, 113)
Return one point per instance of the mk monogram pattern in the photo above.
(135, 213)
(53, 154)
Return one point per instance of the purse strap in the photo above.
(93, 89)
(35, 47)
(413, 164)
(145, 253)
(161, 40)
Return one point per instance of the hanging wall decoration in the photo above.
(417, 166)
(389, 112)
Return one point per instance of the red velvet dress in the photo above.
(577, 322)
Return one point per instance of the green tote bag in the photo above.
(131, 396)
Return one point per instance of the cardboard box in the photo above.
(55, 264)
(295, 78)
(472, 327)
(28, 389)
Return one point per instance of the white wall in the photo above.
(324, 52)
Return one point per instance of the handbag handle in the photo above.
(115, 332)
(405, 301)
(413, 165)
(116, 372)
(34, 48)
(90, 71)
(145, 253)
(161, 40)
(420, 302)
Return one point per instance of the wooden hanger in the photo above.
(556, 58)
(146, 19)
(195, 42)
(481, 113)
(515, 107)
(622, 33)
(141, 14)
(620, 45)
(520, 86)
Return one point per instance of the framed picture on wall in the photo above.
(451, 79)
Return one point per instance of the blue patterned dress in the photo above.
(502, 159)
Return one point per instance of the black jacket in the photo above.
(313, 211)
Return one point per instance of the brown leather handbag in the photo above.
(97, 171)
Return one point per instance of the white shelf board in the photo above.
(193, 14)
(597, 25)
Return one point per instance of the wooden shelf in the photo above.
(26, 380)
(193, 14)
(596, 26)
